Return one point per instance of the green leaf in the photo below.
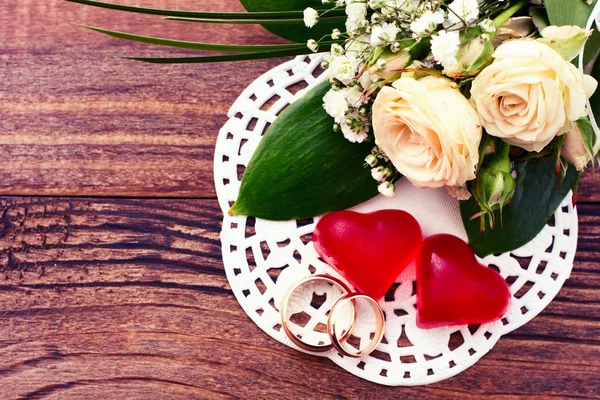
(226, 57)
(588, 136)
(302, 168)
(538, 194)
(539, 17)
(595, 99)
(199, 45)
(592, 47)
(296, 32)
(251, 21)
(569, 12)
(293, 13)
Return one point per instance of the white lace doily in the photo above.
(263, 258)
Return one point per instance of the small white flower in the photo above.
(336, 34)
(387, 189)
(377, 173)
(444, 47)
(371, 160)
(356, 13)
(366, 80)
(337, 50)
(427, 22)
(312, 45)
(335, 104)
(376, 4)
(311, 17)
(354, 128)
(383, 34)
(487, 25)
(467, 10)
(353, 96)
(343, 69)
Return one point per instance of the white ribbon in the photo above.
(594, 17)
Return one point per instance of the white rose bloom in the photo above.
(444, 47)
(529, 94)
(311, 17)
(468, 10)
(335, 104)
(343, 69)
(416, 125)
(427, 22)
(383, 34)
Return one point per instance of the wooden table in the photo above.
(112, 284)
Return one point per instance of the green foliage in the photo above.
(296, 32)
(302, 168)
(537, 196)
(568, 12)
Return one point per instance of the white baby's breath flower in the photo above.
(371, 160)
(343, 68)
(311, 17)
(377, 173)
(376, 4)
(427, 22)
(383, 34)
(444, 47)
(353, 96)
(354, 128)
(465, 10)
(487, 25)
(387, 189)
(336, 34)
(312, 45)
(337, 50)
(335, 104)
(356, 13)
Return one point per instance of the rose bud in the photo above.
(390, 63)
(580, 144)
(568, 41)
(474, 54)
(494, 186)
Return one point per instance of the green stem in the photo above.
(509, 12)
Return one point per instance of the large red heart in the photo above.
(453, 288)
(370, 250)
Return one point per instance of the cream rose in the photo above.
(429, 130)
(529, 94)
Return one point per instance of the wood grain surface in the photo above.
(107, 293)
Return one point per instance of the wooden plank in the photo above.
(126, 298)
(76, 120)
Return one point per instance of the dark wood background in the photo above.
(111, 280)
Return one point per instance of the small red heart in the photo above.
(453, 288)
(370, 250)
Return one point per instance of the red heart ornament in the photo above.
(453, 288)
(369, 250)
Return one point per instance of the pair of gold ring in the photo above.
(348, 298)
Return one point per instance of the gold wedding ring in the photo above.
(285, 305)
(379, 324)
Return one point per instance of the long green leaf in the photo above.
(302, 168)
(225, 58)
(270, 22)
(538, 194)
(199, 45)
(569, 12)
(297, 32)
(199, 14)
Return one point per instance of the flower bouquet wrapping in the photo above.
(491, 100)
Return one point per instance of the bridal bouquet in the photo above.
(492, 100)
